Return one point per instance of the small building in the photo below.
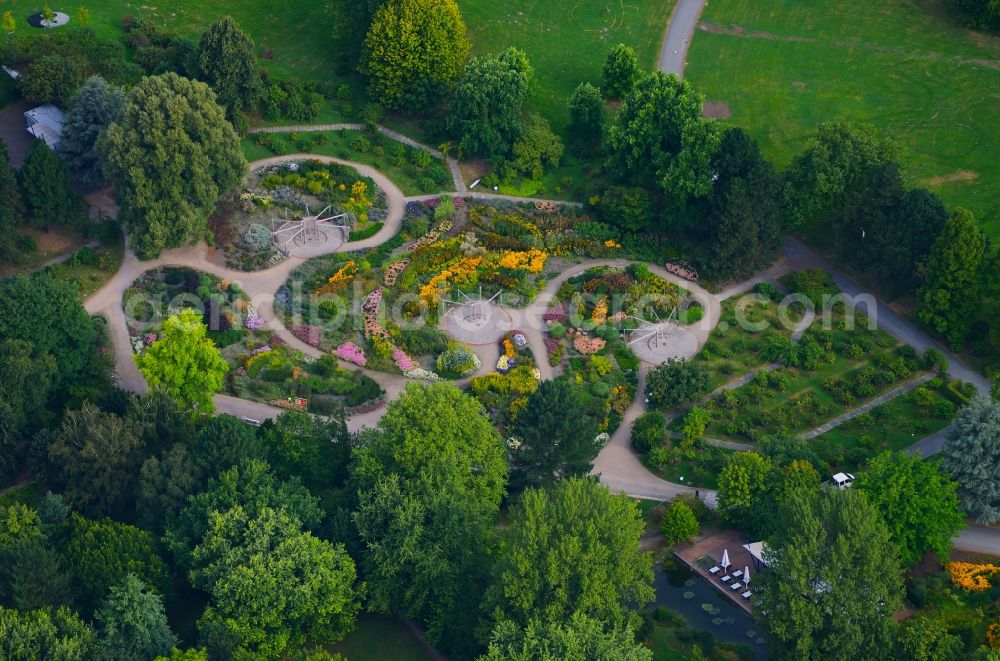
(45, 123)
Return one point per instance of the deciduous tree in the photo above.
(948, 298)
(94, 107)
(171, 155)
(227, 61)
(917, 501)
(184, 362)
(621, 72)
(414, 52)
(926, 638)
(47, 313)
(250, 486)
(536, 147)
(430, 477)
(102, 553)
(485, 112)
(971, 454)
(45, 634)
(53, 78)
(572, 549)
(679, 523)
(11, 207)
(676, 382)
(556, 434)
(273, 585)
(579, 639)
(833, 581)
(817, 179)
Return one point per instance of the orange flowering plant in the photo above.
(972, 577)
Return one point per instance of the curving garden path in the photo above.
(616, 465)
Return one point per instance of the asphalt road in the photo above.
(679, 34)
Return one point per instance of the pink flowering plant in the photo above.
(403, 362)
(352, 353)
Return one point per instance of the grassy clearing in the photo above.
(27, 494)
(566, 42)
(905, 67)
(342, 144)
(377, 637)
(298, 35)
(92, 271)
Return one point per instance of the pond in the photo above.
(688, 594)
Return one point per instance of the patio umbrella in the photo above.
(746, 577)
(725, 559)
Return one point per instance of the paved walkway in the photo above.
(867, 406)
(680, 30)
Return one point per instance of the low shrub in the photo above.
(365, 233)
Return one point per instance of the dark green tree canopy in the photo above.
(273, 586)
(96, 456)
(45, 189)
(11, 207)
(744, 215)
(47, 313)
(818, 177)
(675, 382)
(227, 61)
(659, 138)
(486, 108)
(556, 434)
(171, 155)
(92, 110)
(948, 298)
(251, 486)
(971, 454)
(414, 52)
(621, 72)
(132, 623)
(53, 78)
(586, 115)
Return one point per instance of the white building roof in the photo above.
(45, 123)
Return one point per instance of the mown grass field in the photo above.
(786, 66)
(298, 34)
(566, 42)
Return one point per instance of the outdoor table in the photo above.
(738, 573)
(726, 578)
(736, 586)
(714, 570)
(746, 595)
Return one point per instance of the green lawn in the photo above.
(566, 42)
(377, 637)
(904, 66)
(299, 35)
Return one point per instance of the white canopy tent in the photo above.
(756, 550)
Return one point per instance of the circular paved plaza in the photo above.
(657, 343)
